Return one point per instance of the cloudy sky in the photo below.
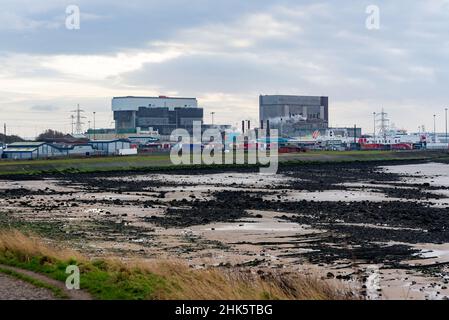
(225, 53)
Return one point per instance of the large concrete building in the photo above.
(163, 114)
(295, 115)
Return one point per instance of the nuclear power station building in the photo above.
(162, 114)
(294, 115)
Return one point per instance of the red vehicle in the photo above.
(291, 149)
(366, 145)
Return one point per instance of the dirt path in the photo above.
(13, 289)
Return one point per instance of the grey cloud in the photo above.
(145, 20)
(316, 47)
(45, 108)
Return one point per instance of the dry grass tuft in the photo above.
(227, 284)
(186, 283)
(29, 246)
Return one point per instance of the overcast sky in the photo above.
(225, 53)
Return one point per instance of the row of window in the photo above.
(387, 141)
(310, 116)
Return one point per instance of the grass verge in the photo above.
(160, 163)
(115, 279)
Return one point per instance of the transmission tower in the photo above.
(78, 116)
(382, 124)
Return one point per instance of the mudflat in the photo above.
(380, 227)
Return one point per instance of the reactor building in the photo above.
(294, 115)
(162, 114)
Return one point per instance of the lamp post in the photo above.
(212, 114)
(94, 126)
(374, 114)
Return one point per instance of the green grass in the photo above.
(98, 278)
(57, 292)
(103, 280)
(160, 162)
(93, 160)
(82, 164)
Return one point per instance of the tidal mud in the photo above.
(342, 218)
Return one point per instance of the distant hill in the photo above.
(10, 139)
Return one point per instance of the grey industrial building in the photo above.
(30, 150)
(44, 150)
(295, 115)
(162, 114)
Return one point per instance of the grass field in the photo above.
(158, 161)
(83, 164)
